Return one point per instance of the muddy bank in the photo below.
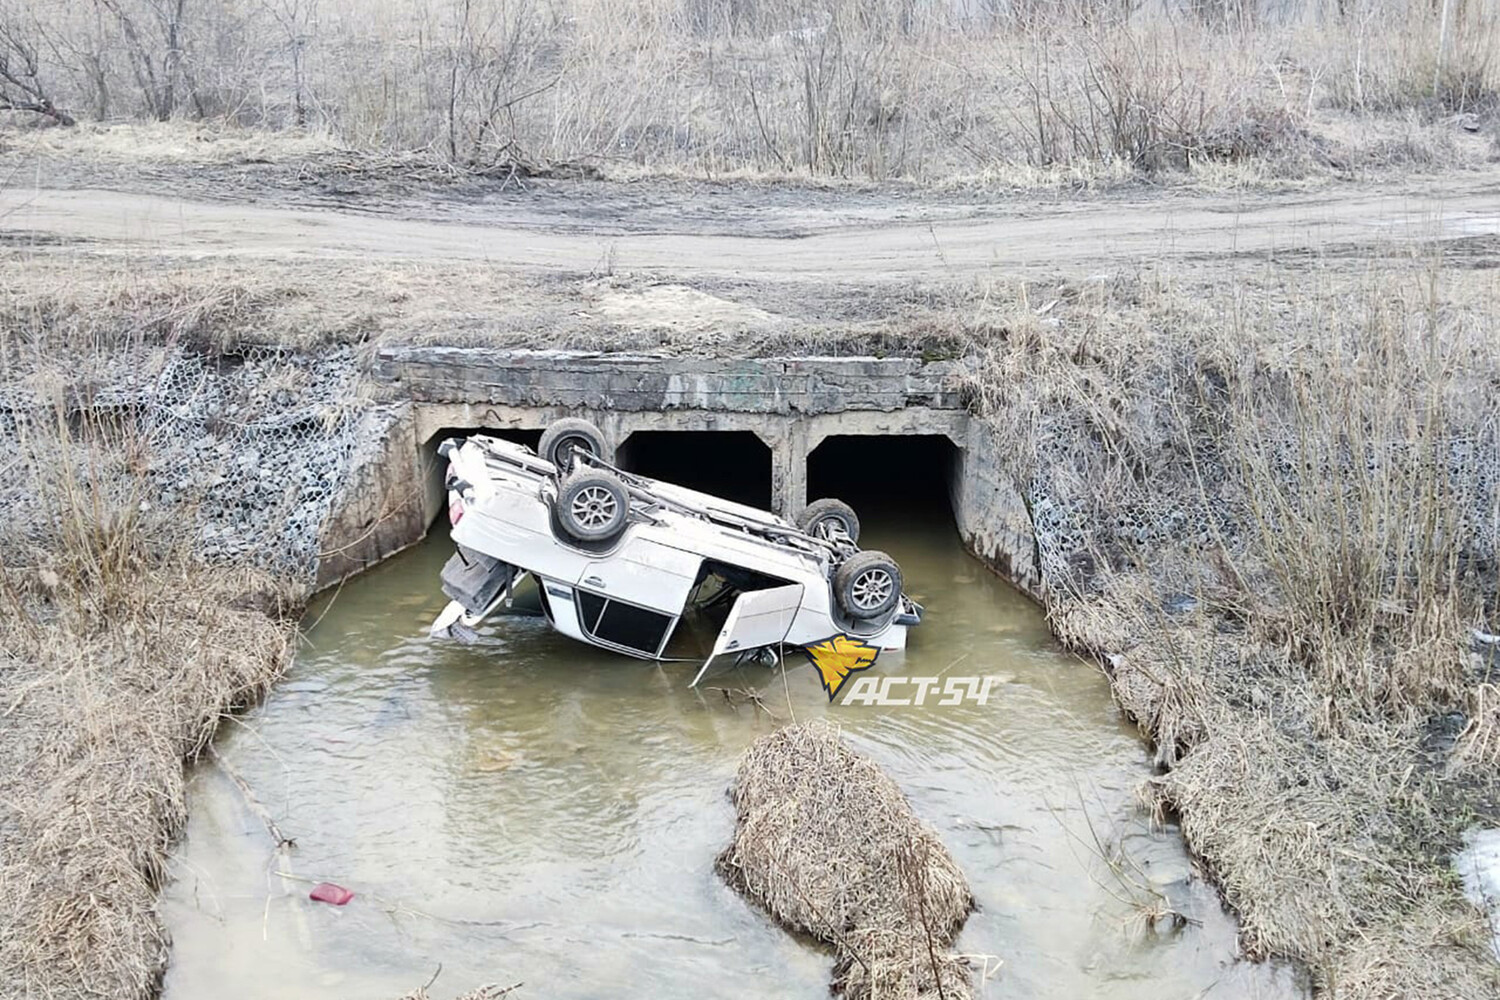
(162, 517)
(1273, 523)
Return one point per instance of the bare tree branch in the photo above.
(21, 86)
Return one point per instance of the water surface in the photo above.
(532, 810)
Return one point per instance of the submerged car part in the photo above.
(636, 565)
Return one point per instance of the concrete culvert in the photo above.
(829, 846)
(732, 465)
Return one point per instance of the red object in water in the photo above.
(327, 892)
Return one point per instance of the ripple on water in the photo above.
(530, 809)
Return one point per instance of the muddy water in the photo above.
(530, 810)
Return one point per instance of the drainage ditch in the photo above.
(530, 809)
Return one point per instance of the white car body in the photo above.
(631, 593)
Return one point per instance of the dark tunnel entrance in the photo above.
(887, 476)
(734, 465)
(435, 468)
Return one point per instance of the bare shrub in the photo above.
(23, 85)
(1400, 55)
(1149, 101)
(833, 88)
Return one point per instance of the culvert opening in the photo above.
(735, 465)
(887, 476)
(435, 468)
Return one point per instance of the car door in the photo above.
(646, 573)
(759, 618)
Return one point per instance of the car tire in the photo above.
(868, 585)
(563, 438)
(820, 513)
(592, 506)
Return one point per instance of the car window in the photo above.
(590, 607)
(632, 627)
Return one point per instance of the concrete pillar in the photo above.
(788, 468)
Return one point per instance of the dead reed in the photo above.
(827, 843)
(1278, 532)
(119, 651)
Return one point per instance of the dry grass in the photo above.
(1314, 465)
(827, 843)
(1307, 449)
(119, 652)
(81, 299)
(481, 993)
(834, 89)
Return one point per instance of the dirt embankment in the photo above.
(1305, 677)
(1271, 514)
(161, 515)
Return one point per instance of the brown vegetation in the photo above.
(1268, 500)
(117, 663)
(1023, 92)
(1284, 524)
(826, 842)
(119, 651)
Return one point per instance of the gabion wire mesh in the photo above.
(252, 447)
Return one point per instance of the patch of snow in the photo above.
(1479, 864)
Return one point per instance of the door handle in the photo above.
(594, 581)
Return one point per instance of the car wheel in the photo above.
(868, 585)
(568, 437)
(821, 517)
(592, 506)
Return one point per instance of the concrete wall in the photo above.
(792, 405)
(381, 508)
(790, 438)
(653, 384)
(991, 513)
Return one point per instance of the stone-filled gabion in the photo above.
(254, 446)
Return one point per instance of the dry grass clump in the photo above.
(1275, 519)
(826, 842)
(119, 652)
(479, 993)
(1479, 744)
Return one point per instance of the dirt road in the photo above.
(789, 239)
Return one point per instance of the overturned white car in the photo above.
(650, 569)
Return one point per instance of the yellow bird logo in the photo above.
(838, 658)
